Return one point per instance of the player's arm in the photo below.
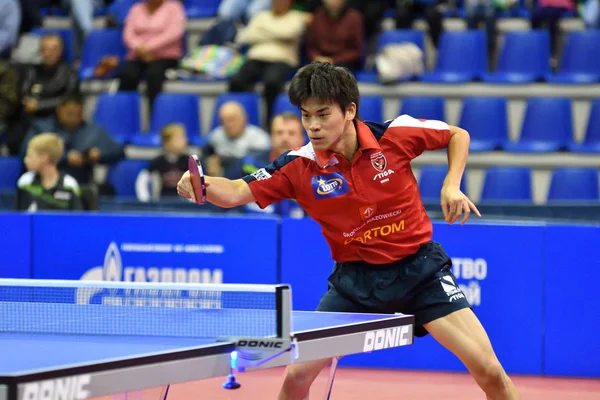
(222, 192)
(454, 202)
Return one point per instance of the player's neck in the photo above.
(49, 176)
(348, 143)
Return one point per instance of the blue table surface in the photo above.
(21, 352)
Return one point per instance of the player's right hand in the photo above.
(184, 187)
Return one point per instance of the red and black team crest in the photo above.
(378, 161)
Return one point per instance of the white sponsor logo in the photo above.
(60, 195)
(261, 174)
(473, 270)
(451, 289)
(71, 388)
(379, 217)
(382, 175)
(113, 270)
(388, 338)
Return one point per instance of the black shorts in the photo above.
(421, 285)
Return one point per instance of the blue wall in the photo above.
(530, 284)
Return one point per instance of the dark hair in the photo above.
(327, 83)
(76, 98)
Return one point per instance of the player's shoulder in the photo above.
(71, 184)
(26, 179)
(407, 121)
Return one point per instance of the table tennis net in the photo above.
(127, 308)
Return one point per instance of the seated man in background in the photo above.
(233, 140)
(286, 133)
(336, 35)
(274, 39)
(164, 171)
(43, 87)
(43, 187)
(86, 144)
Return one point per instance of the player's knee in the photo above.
(300, 377)
(491, 375)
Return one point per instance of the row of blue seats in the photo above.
(501, 184)
(524, 56)
(208, 9)
(547, 126)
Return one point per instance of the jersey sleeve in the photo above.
(273, 182)
(414, 136)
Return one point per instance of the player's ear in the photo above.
(351, 112)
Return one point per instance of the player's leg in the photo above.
(299, 377)
(462, 334)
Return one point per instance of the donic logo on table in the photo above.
(115, 269)
(71, 388)
(330, 185)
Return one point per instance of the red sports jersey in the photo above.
(369, 209)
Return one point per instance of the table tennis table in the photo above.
(73, 340)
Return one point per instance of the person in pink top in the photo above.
(153, 35)
(549, 12)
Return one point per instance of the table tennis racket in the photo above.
(197, 179)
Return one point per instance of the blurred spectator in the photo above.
(372, 12)
(548, 13)
(10, 22)
(286, 133)
(274, 39)
(242, 10)
(43, 187)
(486, 11)
(407, 10)
(336, 35)
(9, 97)
(43, 87)
(153, 34)
(590, 13)
(233, 140)
(164, 171)
(309, 6)
(86, 144)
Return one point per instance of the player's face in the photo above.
(324, 123)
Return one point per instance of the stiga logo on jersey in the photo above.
(330, 185)
(388, 338)
(72, 388)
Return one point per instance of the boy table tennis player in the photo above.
(354, 179)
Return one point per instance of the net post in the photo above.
(283, 304)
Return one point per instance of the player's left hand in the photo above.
(455, 203)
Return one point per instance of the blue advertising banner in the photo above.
(15, 245)
(572, 313)
(498, 267)
(155, 248)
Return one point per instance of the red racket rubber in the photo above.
(197, 179)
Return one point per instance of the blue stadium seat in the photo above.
(423, 107)
(201, 8)
(486, 120)
(591, 141)
(100, 43)
(576, 65)
(392, 36)
(371, 108)
(282, 104)
(574, 184)
(119, 115)
(525, 57)
(122, 176)
(431, 181)
(462, 57)
(250, 101)
(11, 168)
(67, 38)
(169, 108)
(507, 184)
(548, 126)
(119, 10)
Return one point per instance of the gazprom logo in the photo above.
(114, 269)
(330, 185)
